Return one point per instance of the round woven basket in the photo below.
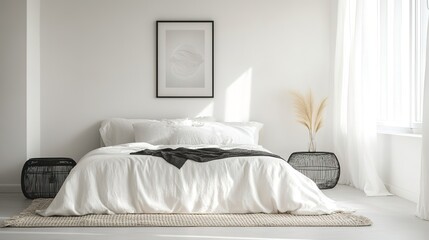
(321, 167)
(43, 177)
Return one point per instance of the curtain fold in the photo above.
(357, 69)
(423, 204)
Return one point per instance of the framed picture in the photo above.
(184, 59)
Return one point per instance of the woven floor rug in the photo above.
(28, 218)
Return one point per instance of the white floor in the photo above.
(393, 218)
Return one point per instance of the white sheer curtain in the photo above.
(423, 204)
(357, 70)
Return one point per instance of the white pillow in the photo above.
(238, 132)
(120, 130)
(246, 130)
(198, 133)
(153, 132)
(116, 131)
(189, 121)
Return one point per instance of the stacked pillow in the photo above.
(179, 131)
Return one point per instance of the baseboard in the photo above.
(403, 193)
(10, 188)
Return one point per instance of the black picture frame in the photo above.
(206, 60)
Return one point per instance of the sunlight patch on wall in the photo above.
(207, 111)
(237, 104)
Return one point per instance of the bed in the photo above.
(116, 179)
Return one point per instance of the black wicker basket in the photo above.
(321, 167)
(43, 177)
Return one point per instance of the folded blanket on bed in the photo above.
(179, 156)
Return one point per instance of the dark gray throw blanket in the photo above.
(178, 156)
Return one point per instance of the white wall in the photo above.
(12, 91)
(98, 61)
(399, 166)
(33, 78)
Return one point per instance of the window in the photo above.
(403, 25)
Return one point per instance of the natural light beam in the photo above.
(237, 104)
(207, 111)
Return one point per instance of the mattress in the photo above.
(110, 180)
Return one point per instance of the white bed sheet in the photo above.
(111, 181)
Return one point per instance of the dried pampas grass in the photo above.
(311, 118)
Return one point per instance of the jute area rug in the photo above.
(28, 218)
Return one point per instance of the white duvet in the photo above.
(111, 181)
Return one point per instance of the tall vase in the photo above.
(312, 143)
